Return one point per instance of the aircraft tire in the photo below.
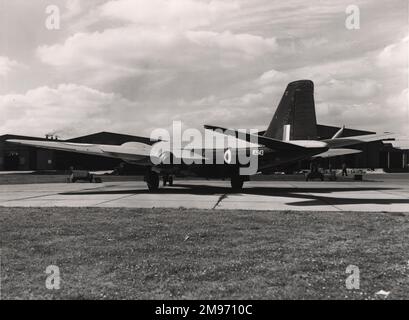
(237, 183)
(170, 181)
(152, 180)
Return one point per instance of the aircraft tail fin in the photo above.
(295, 117)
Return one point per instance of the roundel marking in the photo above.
(227, 156)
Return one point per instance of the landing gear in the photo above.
(152, 180)
(168, 180)
(237, 183)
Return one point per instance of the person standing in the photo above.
(344, 169)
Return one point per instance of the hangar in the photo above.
(13, 157)
(23, 158)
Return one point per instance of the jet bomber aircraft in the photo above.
(290, 137)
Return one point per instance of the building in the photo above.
(394, 155)
(14, 157)
(387, 155)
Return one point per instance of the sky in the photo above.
(131, 66)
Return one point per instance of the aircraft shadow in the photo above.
(300, 195)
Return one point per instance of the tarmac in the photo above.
(369, 196)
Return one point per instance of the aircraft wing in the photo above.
(268, 142)
(336, 152)
(127, 151)
(349, 141)
(139, 153)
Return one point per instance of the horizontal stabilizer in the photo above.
(336, 153)
(349, 141)
(271, 143)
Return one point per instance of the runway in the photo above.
(368, 196)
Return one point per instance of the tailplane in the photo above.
(295, 117)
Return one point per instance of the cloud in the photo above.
(221, 62)
(183, 14)
(164, 51)
(395, 55)
(7, 65)
(68, 109)
(73, 9)
(132, 51)
(247, 45)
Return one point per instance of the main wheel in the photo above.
(170, 181)
(237, 183)
(152, 180)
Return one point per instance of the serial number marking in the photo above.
(258, 152)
